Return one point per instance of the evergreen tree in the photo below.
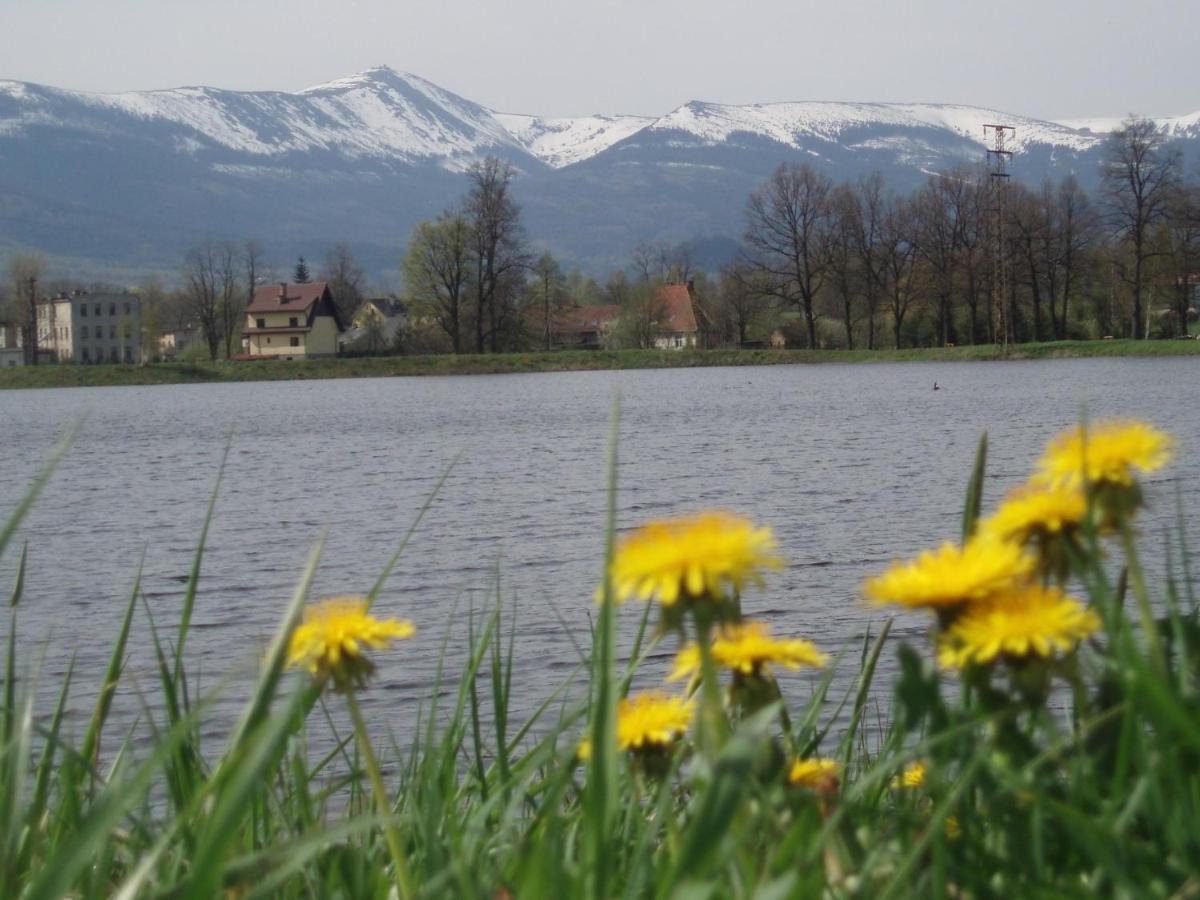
(300, 275)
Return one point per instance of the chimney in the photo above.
(283, 297)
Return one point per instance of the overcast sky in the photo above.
(1048, 58)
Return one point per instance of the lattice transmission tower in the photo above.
(999, 157)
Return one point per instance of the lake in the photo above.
(851, 465)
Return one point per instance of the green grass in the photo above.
(564, 361)
(1101, 799)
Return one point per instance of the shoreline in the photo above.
(51, 376)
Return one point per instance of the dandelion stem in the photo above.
(403, 878)
(712, 717)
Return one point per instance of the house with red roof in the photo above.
(292, 321)
(583, 327)
(675, 318)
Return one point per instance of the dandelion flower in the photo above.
(333, 636)
(913, 776)
(1030, 621)
(747, 649)
(711, 554)
(1104, 453)
(652, 720)
(820, 775)
(953, 828)
(1036, 512)
(951, 575)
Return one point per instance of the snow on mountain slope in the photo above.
(379, 113)
(1185, 126)
(787, 123)
(563, 141)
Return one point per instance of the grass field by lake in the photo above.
(563, 361)
(974, 783)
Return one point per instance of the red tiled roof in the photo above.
(267, 299)
(585, 319)
(677, 315)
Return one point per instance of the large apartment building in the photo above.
(90, 328)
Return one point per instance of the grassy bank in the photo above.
(986, 789)
(565, 361)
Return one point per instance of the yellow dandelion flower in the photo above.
(953, 828)
(1032, 511)
(913, 776)
(583, 752)
(652, 720)
(333, 636)
(951, 575)
(710, 554)
(1105, 452)
(1031, 621)
(820, 775)
(747, 649)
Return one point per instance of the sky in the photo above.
(1047, 58)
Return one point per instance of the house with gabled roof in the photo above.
(582, 327)
(292, 321)
(675, 318)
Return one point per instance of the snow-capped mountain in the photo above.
(379, 113)
(134, 179)
(564, 141)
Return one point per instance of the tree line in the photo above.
(926, 265)
(820, 264)
(853, 264)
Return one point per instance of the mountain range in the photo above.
(115, 183)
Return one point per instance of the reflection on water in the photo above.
(851, 465)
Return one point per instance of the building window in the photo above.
(126, 309)
(83, 331)
(112, 354)
(97, 310)
(293, 322)
(112, 332)
(84, 353)
(112, 309)
(295, 342)
(262, 323)
(83, 310)
(128, 354)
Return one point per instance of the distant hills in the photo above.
(119, 182)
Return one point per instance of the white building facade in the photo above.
(91, 328)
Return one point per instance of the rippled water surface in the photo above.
(851, 465)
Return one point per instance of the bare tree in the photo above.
(437, 274)
(153, 300)
(897, 254)
(1035, 248)
(498, 248)
(787, 237)
(346, 280)
(201, 277)
(25, 270)
(1076, 226)
(549, 288)
(641, 314)
(1182, 228)
(870, 211)
(843, 255)
(936, 234)
(1138, 173)
(742, 302)
(252, 267)
(231, 308)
